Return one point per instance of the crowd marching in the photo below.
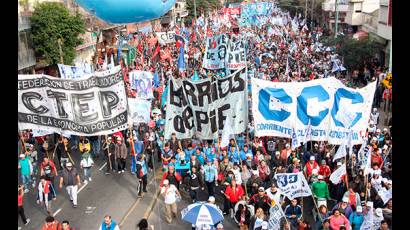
(351, 192)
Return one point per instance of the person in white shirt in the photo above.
(170, 192)
(274, 194)
(86, 164)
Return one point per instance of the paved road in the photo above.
(112, 194)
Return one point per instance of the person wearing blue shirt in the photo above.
(200, 156)
(189, 151)
(210, 177)
(211, 155)
(356, 218)
(181, 156)
(223, 155)
(138, 147)
(293, 212)
(245, 151)
(235, 155)
(240, 140)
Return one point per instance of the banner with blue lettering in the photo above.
(324, 103)
(141, 81)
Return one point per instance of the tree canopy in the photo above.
(201, 5)
(50, 22)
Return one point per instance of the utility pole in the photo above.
(195, 9)
(337, 18)
(60, 50)
(306, 10)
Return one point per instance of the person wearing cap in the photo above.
(254, 182)
(121, 153)
(352, 196)
(71, 180)
(320, 190)
(374, 116)
(142, 174)
(170, 193)
(26, 170)
(295, 166)
(274, 194)
(377, 218)
(344, 207)
(261, 200)
(310, 165)
(86, 164)
(356, 218)
(372, 128)
(210, 176)
(338, 219)
(276, 161)
(325, 171)
(293, 212)
(109, 151)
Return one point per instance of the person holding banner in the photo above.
(109, 151)
(121, 155)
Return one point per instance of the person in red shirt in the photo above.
(233, 194)
(51, 224)
(310, 166)
(376, 158)
(20, 205)
(324, 170)
(48, 169)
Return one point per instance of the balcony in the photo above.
(330, 6)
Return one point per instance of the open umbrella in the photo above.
(202, 213)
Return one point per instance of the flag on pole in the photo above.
(293, 185)
(336, 176)
(295, 141)
(156, 79)
(195, 77)
(308, 133)
(341, 152)
(181, 60)
(368, 163)
(226, 133)
(105, 63)
(112, 62)
(287, 69)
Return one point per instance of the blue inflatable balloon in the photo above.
(127, 11)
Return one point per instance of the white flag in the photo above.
(336, 175)
(341, 152)
(293, 185)
(295, 141)
(308, 133)
(368, 163)
(105, 64)
(226, 133)
(368, 221)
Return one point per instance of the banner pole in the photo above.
(236, 144)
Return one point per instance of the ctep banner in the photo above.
(95, 105)
(200, 107)
(328, 105)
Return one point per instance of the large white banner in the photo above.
(139, 110)
(328, 105)
(141, 81)
(201, 107)
(235, 58)
(215, 52)
(72, 72)
(293, 185)
(275, 216)
(95, 105)
(166, 37)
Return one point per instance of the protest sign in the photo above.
(95, 105)
(279, 106)
(235, 58)
(276, 215)
(72, 72)
(232, 11)
(200, 107)
(139, 110)
(215, 52)
(293, 185)
(141, 81)
(166, 37)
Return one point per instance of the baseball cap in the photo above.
(312, 158)
(219, 226)
(166, 181)
(339, 163)
(277, 153)
(295, 159)
(320, 177)
(287, 145)
(264, 225)
(378, 130)
(359, 209)
(369, 204)
(379, 212)
(385, 130)
(261, 189)
(345, 199)
(22, 155)
(211, 199)
(385, 147)
(68, 164)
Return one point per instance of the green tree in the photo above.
(355, 53)
(201, 5)
(50, 22)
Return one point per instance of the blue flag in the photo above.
(181, 60)
(195, 77)
(156, 79)
(164, 97)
